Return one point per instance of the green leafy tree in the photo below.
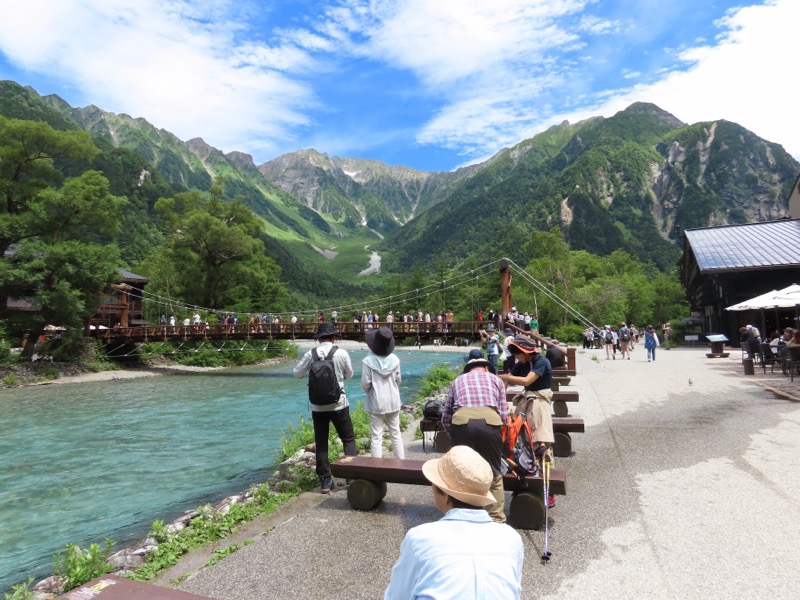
(213, 256)
(28, 150)
(51, 228)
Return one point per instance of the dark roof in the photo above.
(26, 303)
(751, 246)
(132, 277)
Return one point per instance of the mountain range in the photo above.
(633, 181)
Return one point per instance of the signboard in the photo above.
(717, 337)
(691, 338)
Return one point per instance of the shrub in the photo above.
(21, 591)
(569, 334)
(78, 566)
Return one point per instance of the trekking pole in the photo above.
(546, 463)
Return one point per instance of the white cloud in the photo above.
(744, 78)
(495, 72)
(175, 63)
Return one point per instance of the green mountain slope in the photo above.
(632, 181)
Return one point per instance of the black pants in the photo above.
(344, 427)
(485, 439)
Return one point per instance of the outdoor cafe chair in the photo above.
(768, 357)
(791, 360)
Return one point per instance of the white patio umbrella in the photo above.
(756, 303)
(785, 298)
(788, 296)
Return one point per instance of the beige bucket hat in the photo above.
(463, 474)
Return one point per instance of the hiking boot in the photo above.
(326, 484)
(551, 501)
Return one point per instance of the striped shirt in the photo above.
(475, 388)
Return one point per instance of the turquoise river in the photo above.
(81, 462)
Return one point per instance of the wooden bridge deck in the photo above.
(459, 333)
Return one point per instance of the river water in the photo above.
(82, 462)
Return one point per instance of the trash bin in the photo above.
(748, 366)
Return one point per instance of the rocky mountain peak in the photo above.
(241, 159)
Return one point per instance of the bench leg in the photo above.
(562, 446)
(527, 510)
(560, 408)
(365, 495)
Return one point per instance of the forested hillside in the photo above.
(629, 183)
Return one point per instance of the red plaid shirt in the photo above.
(475, 388)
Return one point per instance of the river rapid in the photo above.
(81, 462)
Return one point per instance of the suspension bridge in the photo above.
(252, 327)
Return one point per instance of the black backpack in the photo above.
(323, 385)
(609, 337)
(433, 409)
(624, 335)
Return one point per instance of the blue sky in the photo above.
(428, 84)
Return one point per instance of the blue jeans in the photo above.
(651, 353)
(493, 361)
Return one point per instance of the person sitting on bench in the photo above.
(463, 555)
(473, 415)
(533, 371)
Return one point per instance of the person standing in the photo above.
(473, 415)
(380, 379)
(492, 341)
(624, 341)
(667, 334)
(651, 342)
(336, 413)
(462, 555)
(608, 342)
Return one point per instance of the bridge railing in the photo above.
(299, 330)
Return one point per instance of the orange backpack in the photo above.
(518, 446)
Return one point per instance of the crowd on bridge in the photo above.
(408, 321)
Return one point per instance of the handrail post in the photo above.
(505, 289)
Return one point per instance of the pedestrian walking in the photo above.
(651, 342)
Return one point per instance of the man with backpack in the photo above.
(624, 341)
(328, 366)
(609, 342)
(474, 414)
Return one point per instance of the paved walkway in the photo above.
(685, 485)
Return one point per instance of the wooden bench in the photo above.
(112, 587)
(559, 401)
(562, 427)
(557, 382)
(369, 477)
